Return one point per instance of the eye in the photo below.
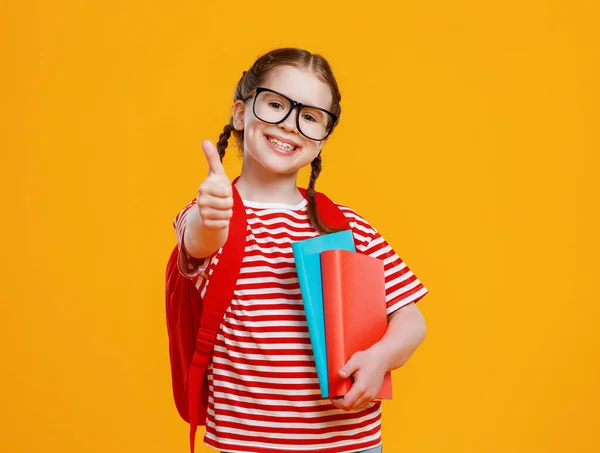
(312, 116)
(276, 105)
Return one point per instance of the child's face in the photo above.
(301, 86)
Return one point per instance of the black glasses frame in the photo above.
(293, 104)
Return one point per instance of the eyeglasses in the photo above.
(273, 108)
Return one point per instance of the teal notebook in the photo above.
(307, 254)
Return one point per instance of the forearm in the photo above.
(200, 241)
(405, 332)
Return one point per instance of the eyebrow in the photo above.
(291, 97)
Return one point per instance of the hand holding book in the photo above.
(368, 372)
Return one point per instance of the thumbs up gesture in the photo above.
(215, 196)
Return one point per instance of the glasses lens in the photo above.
(314, 123)
(272, 108)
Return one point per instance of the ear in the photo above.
(237, 113)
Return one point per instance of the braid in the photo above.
(223, 139)
(313, 213)
(316, 166)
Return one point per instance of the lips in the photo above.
(280, 150)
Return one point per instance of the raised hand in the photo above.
(215, 195)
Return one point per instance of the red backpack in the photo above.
(193, 322)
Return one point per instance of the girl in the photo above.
(264, 392)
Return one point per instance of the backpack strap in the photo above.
(219, 294)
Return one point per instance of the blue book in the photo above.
(307, 254)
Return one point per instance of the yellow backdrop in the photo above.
(469, 138)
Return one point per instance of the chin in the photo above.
(281, 164)
(279, 168)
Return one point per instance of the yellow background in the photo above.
(469, 138)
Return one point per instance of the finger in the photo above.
(209, 201)
(215, 214)
(361, 402)
(356, 392)
(338, 403)
(350, 367)
(215, 224)
(216, 186)
(212, 157)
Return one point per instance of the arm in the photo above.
(198, 240)
(405, 332)
(207, 221)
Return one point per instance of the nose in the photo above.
(290, 122)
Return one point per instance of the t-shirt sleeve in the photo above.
(401, 285)
(189, 266)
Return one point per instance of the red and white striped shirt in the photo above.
(264, 391)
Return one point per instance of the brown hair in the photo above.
(255, 76)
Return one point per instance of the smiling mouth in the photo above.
(282, 146)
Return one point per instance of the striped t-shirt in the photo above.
(263, 389)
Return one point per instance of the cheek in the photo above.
(314, 148)
(309, 154)
(253, 129)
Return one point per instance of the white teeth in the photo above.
(279, 144)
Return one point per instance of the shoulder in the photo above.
(364, 233)
(356, 220)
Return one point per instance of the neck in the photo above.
(262, 186)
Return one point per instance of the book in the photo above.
(354, 305)
(307, 254)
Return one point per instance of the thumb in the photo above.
(212, 157)
(349, 368)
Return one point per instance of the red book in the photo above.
(354, 308)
